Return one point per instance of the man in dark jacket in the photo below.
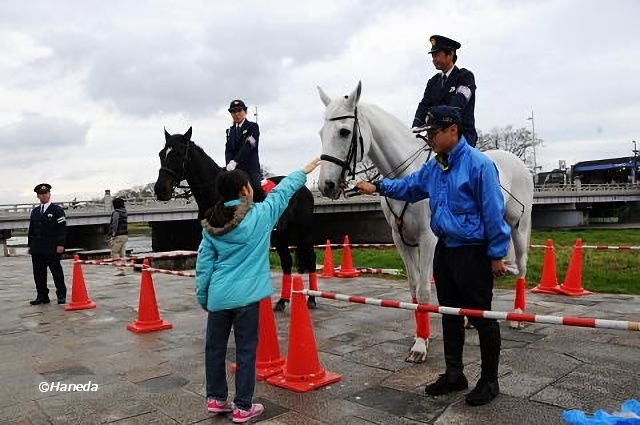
(451, 86)
(47, 230)
(241, 150)
(119, 232)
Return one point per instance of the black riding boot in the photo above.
(453, 338)
(487, 387)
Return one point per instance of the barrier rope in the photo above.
(486, 314)
(138, 266)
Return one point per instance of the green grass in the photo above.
(602, 271)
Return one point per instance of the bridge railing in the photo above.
(591, 189)
(92, 207)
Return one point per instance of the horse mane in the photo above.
(210, 161)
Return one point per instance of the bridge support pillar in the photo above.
(87, 237)
(175, 235)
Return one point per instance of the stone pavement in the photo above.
(158, 378)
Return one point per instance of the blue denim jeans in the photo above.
(244, 321)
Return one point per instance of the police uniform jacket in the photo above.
(459, 90)
(467, 206)
(242, 147)
(48, 230)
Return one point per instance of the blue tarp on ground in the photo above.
(629, 414)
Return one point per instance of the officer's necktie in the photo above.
(42, 209)
(444, 79)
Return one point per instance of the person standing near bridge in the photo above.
(47, 232)
(119, 232)
(241, 149)
(451, 86)
(467, 216)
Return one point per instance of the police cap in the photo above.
(237, 105)
(439, 42)
(42, 188)
(443, 116)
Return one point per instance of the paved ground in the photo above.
(158, 378)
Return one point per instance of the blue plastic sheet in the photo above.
(629, 414)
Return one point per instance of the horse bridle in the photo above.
(178, 178)
(349, 164)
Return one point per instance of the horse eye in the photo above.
(344, 132)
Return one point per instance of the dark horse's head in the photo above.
(181, 159)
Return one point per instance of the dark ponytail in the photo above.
(229, 184)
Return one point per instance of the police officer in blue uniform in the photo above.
(467, 216)
(47, 231)
(452, 86)
(241, 150)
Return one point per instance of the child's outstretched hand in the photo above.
(312, 165)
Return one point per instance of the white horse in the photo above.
(353, 131)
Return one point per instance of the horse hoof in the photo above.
(416, 357)
(311, 302)
(516, 325)
(280, 305)
(467, 323)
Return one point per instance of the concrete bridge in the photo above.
(554, 206)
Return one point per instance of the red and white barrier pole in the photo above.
(139, 266)
(498, 315)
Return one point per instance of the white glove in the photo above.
(231, 165)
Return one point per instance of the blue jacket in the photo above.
(242, 147)
(467, 206)
(232, 269)
(459, 91)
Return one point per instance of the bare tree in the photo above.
(517, 141)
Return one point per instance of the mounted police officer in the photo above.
(452, 86)
(241, 150)
(47, 231)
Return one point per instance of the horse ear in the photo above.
(187, 135)
(323, 96)
(166, 135)
(354, 97)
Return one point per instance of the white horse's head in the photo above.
(346, 139)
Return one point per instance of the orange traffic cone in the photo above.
(148, 316)
(327, 268)
(549, 279)
(302, 371)
(520, 301)
(79, 297)
(572, 285)
(269, 361)
(346, 267)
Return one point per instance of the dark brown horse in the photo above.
(182, 159)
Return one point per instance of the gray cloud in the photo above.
(37, 132)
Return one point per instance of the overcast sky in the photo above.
(87, 86)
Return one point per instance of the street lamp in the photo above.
(533, 143)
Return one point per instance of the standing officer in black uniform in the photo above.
(47, 229)
(241, 150)
(452, 86)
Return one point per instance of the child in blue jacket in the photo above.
(232, 276)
